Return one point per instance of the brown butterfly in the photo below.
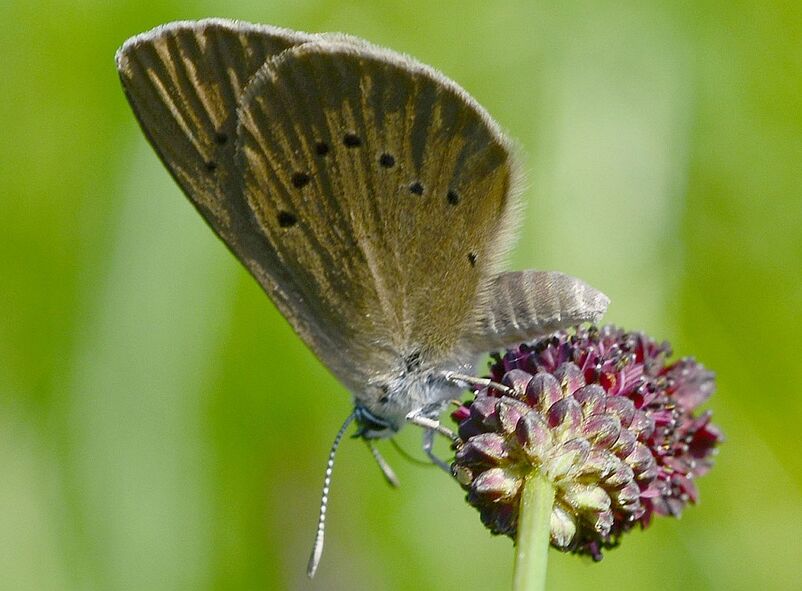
(370, 196)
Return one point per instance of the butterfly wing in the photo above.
(184, 81)
(385, 194)
(524, 305)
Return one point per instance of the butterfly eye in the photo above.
(370, 426)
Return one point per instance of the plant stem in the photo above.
(534, 526)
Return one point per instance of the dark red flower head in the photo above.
(602, 414)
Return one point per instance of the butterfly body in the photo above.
(370, 196)
(410, 386)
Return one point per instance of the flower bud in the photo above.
(602, 415)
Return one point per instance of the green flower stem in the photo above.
(534, 526)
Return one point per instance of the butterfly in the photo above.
(370, 196)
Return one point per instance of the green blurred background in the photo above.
(162, 428)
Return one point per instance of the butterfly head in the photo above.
(371, 426)
(411, 388)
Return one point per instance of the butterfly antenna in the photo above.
(317, 549)
(389, 475)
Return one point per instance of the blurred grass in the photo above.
(162, 428)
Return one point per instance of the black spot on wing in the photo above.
(387, 160)
(300, 180)
(286, 219)
(351, 140)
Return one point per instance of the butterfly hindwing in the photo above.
(525, 305)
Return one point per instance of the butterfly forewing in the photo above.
(184, 81)
(384, 192)
(370, 196)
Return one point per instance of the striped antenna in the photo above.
(317, 549)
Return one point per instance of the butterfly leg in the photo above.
(478, 382)
(387, 471)
(421, 420)
(428, 449)
(431, 427)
